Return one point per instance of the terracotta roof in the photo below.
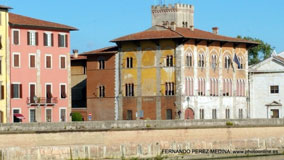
(159, 32)
(106, 50)
(19, 20)
(73, 58)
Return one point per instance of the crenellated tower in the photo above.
(180, 15)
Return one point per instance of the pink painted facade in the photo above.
(25, 75)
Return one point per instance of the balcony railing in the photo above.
(42, 101)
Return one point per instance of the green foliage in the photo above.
(76, 116)
(229, 123)
(259, 52)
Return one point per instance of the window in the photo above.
(62, 115)
(32, 60)
(227, 62)
(16, 90)
(16, 37)
(62, 40)
(2, 96)
(32, 91)
(48, 39)
(227, 113)
(1, 117)
(189, 86)
(274, 89)
(201, 113)
(1, 46)
(129, 115)
(32, 115)
(63, 94)
(102, 91)
(169, 114)
(129, 62)
(214, 113)
(16, 60)
(62, 62)
(32, 38)
(101, 64)
(201, 61)
(48, 115)
(201, 87)
(48, 61)
(214, 62)
(170, 61)
(48, 93)
(214, 86)
(16, 119)
(241, 90)
(189, 60)
(241, 66)
(240, 113)
(170, 89)
(129, 90)
(227, 87)
(275, 113)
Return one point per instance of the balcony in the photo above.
(42, 101)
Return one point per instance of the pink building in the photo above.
(39, 70)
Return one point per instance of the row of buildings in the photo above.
(35, 74)
(174, 71)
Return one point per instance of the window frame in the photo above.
(19, 90)
(63, 84)
(45, 115)
(45, 62)
(20, 112)
(278, 89)
(13, 59)
(19, 38)
(65, 40)
(49, 39)
(30, 115)
(30, 34)
(60, 111)
(32, 54)
(65, 57)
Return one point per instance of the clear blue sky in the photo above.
(100, 21)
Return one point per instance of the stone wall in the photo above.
(116, 139)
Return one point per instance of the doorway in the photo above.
(189, 114)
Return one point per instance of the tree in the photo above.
(76, 116)
(259, 52)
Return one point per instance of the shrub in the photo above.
(76, 116)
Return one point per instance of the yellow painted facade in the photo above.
(3, 56)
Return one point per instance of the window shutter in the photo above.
(62, 62)
(21, 91)
(66, 40)
(12, 91)
(63, 91)
(59, 40)
(16, 60)
(2, 92)
(28, 38)
(32, 61)
(36, 38)
(16, 37)
(44, 39)
(51, 39)
(1, 42)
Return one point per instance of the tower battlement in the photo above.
(182, 15)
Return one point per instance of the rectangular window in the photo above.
(62, 40)
(227, 113)
(129, 90)
(129, 115)
(240, 113)
(274, 89)
(101, 64)
(48, 93)
(62, 62)
(214, 113)
(201, 113)
(32, 59)
(170, 61)
(48, 61)
(16, 37)
(129, 62)
(102, 91)
(170, 89)
(48, 115)
(32, 89)
(16, 60)
(16, 90)
(15, 118)
(0, 65)
(1, 46)
(2, 96)
(32, 38)
(275, 113)
(169, 114)
(32, 115)
(62, 115)
(63, 91)
(48, 39)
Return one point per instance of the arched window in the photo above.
(189, 60)
(214, 61)
(227, 62)
(241, 62)
(201, 61)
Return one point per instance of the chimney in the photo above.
(191, 28)
(215, 30)
(75, 53)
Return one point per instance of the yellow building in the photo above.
(4, 54)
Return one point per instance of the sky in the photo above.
(100, 21)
